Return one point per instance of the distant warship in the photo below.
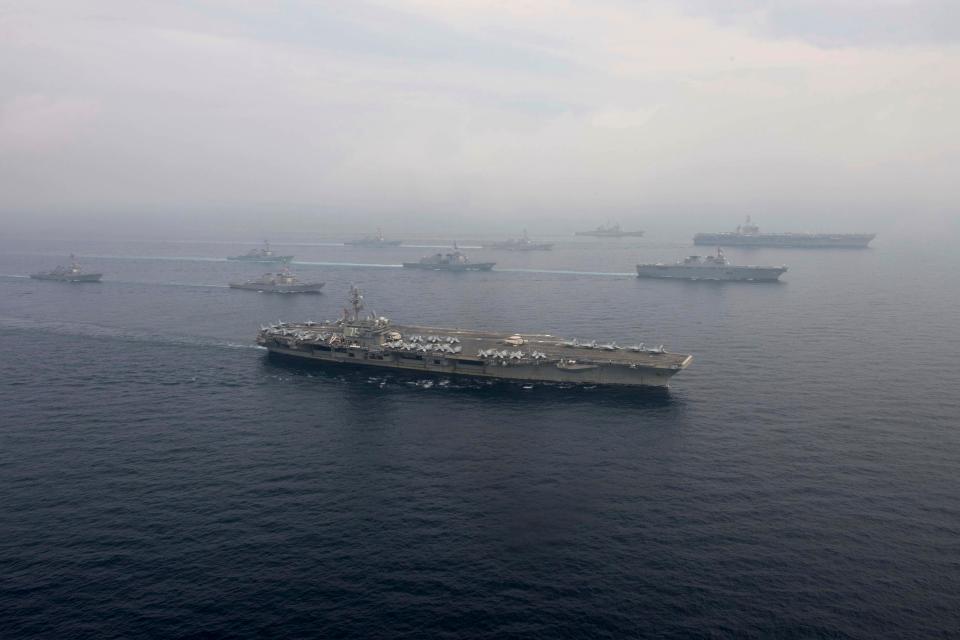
(264, 254)
(452, 261)
(373, 341)
(609, 231)
(522, 244)
(748, 235)
(710, 268)
(283, 282)
(373, 241)
(73, 273)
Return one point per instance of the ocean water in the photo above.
(161, 477)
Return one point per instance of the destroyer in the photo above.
(748, 235)
(609, 231)
(283, 282)
(264, 254)
(373, 341)
(373, 241)
(73, 273)
(710, 268)
(523, 244)
(452, 261)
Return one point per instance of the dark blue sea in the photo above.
(161, 477)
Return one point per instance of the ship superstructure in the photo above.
(748, 235)
(73, 273)
(713, 267)
(374, 341)
(263, 254)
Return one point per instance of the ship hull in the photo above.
(618, 375)
(273, 260)
(612, 234)
(792, 240)
(265, 288)
(724, 273)
(473, 266)
(86, 277)
(541, 246)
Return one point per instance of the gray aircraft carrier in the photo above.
(748, 235)
(375, 342)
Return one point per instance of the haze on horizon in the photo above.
(838, 113)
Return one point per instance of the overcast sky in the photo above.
(510, 110)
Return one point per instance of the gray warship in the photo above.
(521, 244)
(452, 261)
(609, 231)
(263, 254)
(373, 241)
(748, 235)
(715, 267)
(73, 273)
(283, 282)
(373, 341)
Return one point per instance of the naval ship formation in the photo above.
(748, 235)
(373, 341)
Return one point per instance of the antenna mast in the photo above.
(356, 301)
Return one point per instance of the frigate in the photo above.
(374, 341)
(454, 260)
(609, 231)
(73, 273)
(714, 267)
(521, 244)
(373, 241)
(283, 282)
(263, 254)
(748, 235)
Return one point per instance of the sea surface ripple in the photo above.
(161, 477)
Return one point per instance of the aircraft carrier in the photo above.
(748, 235)
(373, 341)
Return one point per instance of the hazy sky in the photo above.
(508, 110)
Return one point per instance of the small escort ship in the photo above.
(283, 282)
(710, 268)
(522, 244)
(609, 231)
(748, 235)
(452, 261)
(373, 341)
(373, 241)
(73, 273)
(263, 254)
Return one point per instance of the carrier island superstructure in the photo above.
(373, 341)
